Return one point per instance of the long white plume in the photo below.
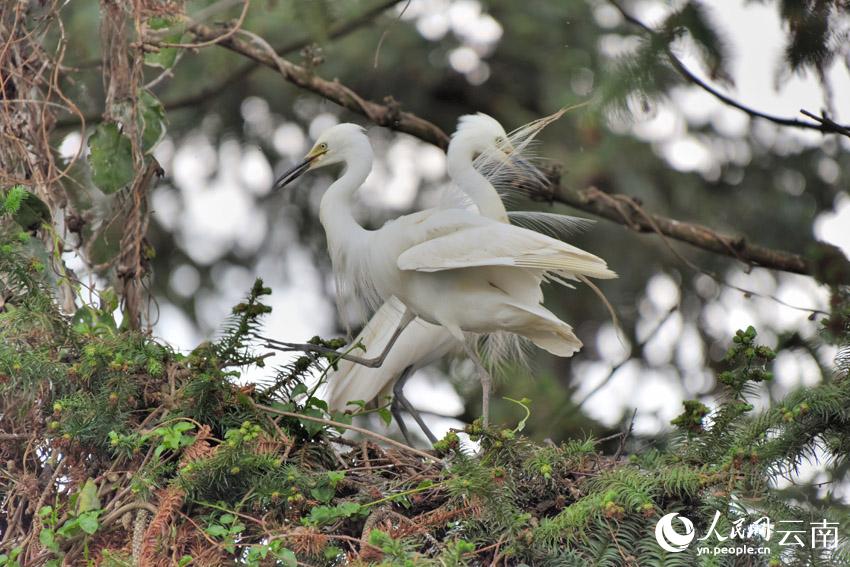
(514, 178)
(551, 224)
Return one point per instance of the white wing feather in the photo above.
(420, 344)
(497, 244)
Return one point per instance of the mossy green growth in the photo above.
(215, 470)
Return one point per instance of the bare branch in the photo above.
(629, 212)
(336, 30)
(823, 125)
(618, 208)
(388, 114)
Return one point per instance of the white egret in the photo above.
(423, 343)
(450, 267)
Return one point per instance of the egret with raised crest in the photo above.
(480, 144)
(448, 266)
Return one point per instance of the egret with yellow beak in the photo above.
(450, 267)
(479, 144)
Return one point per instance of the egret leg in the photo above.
(398, 398)
(396, 411)
(486, 383)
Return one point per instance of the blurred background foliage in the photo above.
(647, 132)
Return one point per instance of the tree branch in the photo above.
(336, 30)
(822, 124)
(388, 114)
(618, 208)
(628, 212)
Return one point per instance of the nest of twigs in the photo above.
(119, 451)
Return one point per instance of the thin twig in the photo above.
(386, 32)
(622, 446)
(823, 125)
(588, 200)
(620, 364)
(336, 31)
(218, 38)
(383, 115)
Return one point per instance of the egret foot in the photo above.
(396, 411)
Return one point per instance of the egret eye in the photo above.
(323, 146)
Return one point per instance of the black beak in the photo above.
(294, 173)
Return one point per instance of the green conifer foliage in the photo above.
(171, 453)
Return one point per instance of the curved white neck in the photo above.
(471, 182)
(335, 209)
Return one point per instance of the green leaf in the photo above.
(166, 56)
(334, 477)
(69, 528)
(287, 557)
(342, 417)
(312, 427)
(183, 426)
(88, 499)
(385, 415)
(323, 493)
(159, 23)
(48, 539)
(523, 403)
(151, 120)
(321, 515)
(88, 522)
(216, 530)
(111, 158)
(227, 519)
